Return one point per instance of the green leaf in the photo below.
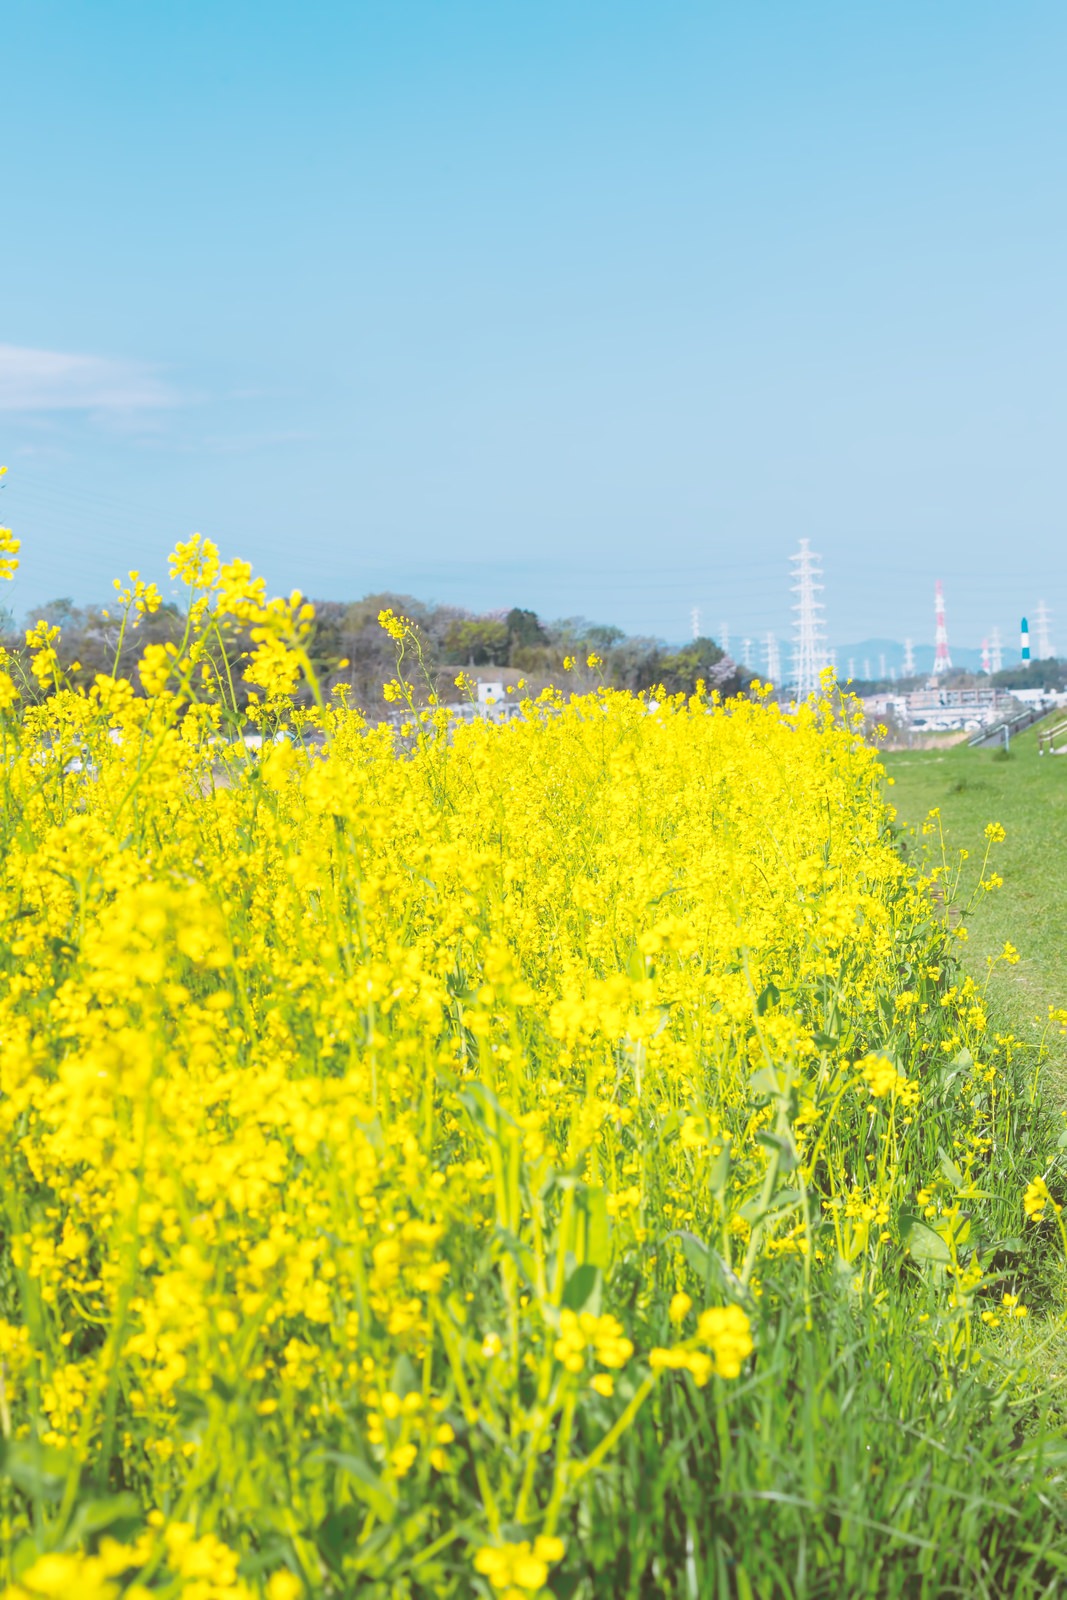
(764, 1081)
(769, 996)
(719, 1166)
(338, 1533)
(638, 967)
(26, 1552)
(483, 1107)
(405, 1379)
(926, 1245)
(697, 1254)
(39, 1470)
(950, 1169)
(582, 1284)
(365, 1483)
(754, 1211)
(597, 1236)
(519, 1252)
(787, 1155)
(94, 1516)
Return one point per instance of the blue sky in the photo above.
(595, 308)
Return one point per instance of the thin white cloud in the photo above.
(52, 380)
(241, 443)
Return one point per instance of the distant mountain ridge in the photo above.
(871, 650)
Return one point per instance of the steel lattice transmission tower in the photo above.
(1042, 618)
(809, 645)
(996, 652)
(942, 659)
(909, 659)
(774, 660)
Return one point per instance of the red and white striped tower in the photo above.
(985, 656)
(942, 659)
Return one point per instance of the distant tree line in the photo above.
(454, 639)
(1050, 673)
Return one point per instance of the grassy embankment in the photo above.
(1027, 793)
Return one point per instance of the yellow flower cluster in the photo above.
(582, 1332)
(724, 1332)
(879, 1074)
(376, 1108)
(1036, 1199)
(519, 1570)
(198, 1568)
(9, 547)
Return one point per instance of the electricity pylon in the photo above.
(1042, 619)
(809, 646)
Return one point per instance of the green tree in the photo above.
(524, 628)
(700, 661)
(477, 642)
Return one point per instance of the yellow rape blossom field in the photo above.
(555, 1157)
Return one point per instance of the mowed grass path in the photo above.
(1027, 793)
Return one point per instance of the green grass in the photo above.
(1027, 793)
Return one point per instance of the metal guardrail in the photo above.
(1004, 731)
(1046, 741)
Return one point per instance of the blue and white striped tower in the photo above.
(1024, 640)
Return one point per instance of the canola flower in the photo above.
(517, 1569)
(389, 1116)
